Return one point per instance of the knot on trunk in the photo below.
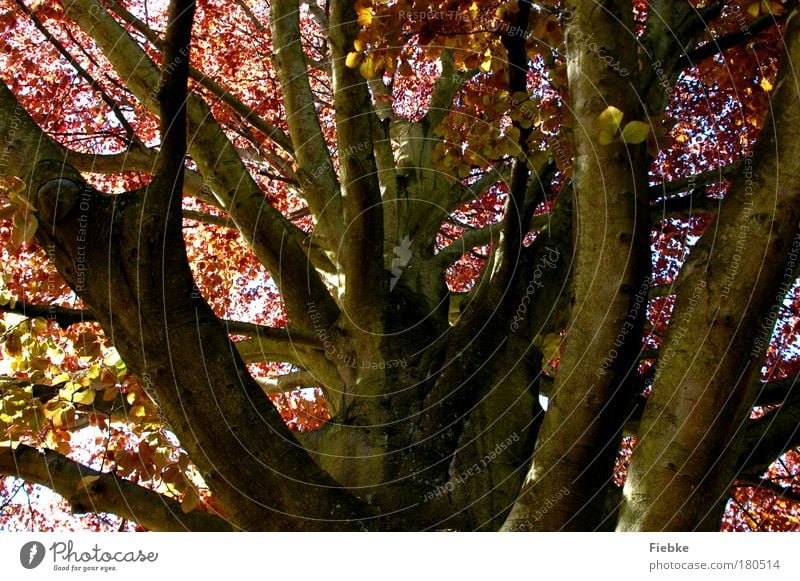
(57, 189)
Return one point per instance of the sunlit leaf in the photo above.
(635, 132)
(608, 125)
(190, 500)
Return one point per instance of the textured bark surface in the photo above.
(580, 432)
(701, 393)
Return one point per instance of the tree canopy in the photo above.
(400, 265)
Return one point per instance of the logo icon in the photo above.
(31, 554)
(402, 256)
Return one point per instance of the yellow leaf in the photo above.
(84, 397)
(367, 68)
(11, 184)
(486, 64)
(64, 417)
(138, 411)
(766, 85)
(29, 223)
(62, 378)
(754, 9)
(354, 59)
(190, 500)
(365, 16)
(635, 132)
(776, 8)
(19, 200)
(608, 123)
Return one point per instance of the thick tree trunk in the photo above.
(701, 392)
(573, 459)
(125, 257)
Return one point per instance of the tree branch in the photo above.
(316, 171)
(766, 438)
(161, 330)
(688, 409)
(289, 382)
(63, 316)
(460, 194)
(110, 103)
(364, 280)
(271, 340)
(108, 493)
(469, 240)
(777, 391)
(172, 93)
(784, 492)
(706, 178)
(672, 28)
(720, 44)
(268, 130)
(446, 88)
(276, 242)
(582, 426)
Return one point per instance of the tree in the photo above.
(433, 218)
